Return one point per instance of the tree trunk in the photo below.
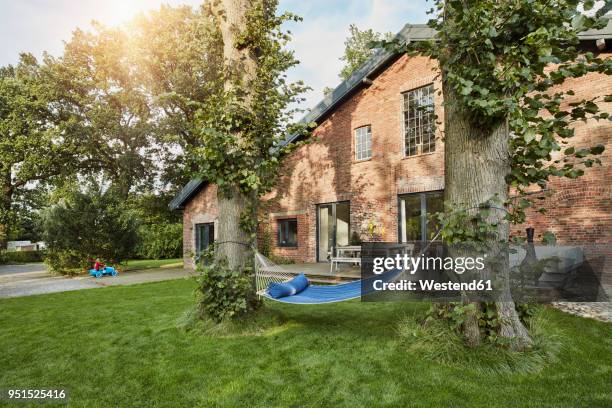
(232, 238)
(241, 68)
(476, 161)
(6, 198)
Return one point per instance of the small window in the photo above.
(363, 143)
(204, 237)
(419, 121)
(287, 233)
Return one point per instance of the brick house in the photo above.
(375, 166)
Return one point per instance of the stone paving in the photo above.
(594, 310)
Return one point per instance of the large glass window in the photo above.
(419, 121)
(287, 233)
(415, 210)
(363, 143)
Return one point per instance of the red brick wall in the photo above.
(202, 209)
(580, 211)
(324, 170)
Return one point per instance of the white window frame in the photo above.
(363, 143)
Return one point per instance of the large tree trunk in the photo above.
(6, 197)
(233, 238)
(241, 67)
(477, 159)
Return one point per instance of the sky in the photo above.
(43, 25)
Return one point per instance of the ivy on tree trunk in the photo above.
(240, 71)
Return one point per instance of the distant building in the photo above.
(25, 246)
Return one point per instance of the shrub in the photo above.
(264, 241)
(355, 238)
(87, 226)
(225, 293)
(163, 241)
(9, 257)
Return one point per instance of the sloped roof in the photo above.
(381, 59)
(187, 193)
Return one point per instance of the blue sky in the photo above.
(42, 25)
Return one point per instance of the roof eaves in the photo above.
(186, 193)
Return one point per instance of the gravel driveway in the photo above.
(33, 279)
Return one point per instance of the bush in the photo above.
(163, 241)
(88, 226)
(225, 293)
(10, 257)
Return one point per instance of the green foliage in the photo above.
(178, 54)
(264, 241)
(224, 293)
(355, 238)
(85, 226)
(27, 204)
(37, 137)
(549, 238)
(245, 124)
(463, 225)
(18, 257)
(114, 115)
(153, 208)
(357, 48)
(160, 241)
(281, 260)
(457, 313)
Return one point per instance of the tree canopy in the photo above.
(357, 48)
(38, 131)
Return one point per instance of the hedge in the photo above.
(16, 257)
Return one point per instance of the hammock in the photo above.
(267, 272)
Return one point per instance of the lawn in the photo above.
(119, 346)
(137, 264)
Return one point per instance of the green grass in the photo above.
(120, 346)
(137, 264)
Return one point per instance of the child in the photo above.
(99, 266)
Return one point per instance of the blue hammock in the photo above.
(320, 294)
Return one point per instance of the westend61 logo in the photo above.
(410, 264)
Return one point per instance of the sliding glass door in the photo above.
(333, 228)
(415, 211)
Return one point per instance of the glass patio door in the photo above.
(333, 228)
(415, 212)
